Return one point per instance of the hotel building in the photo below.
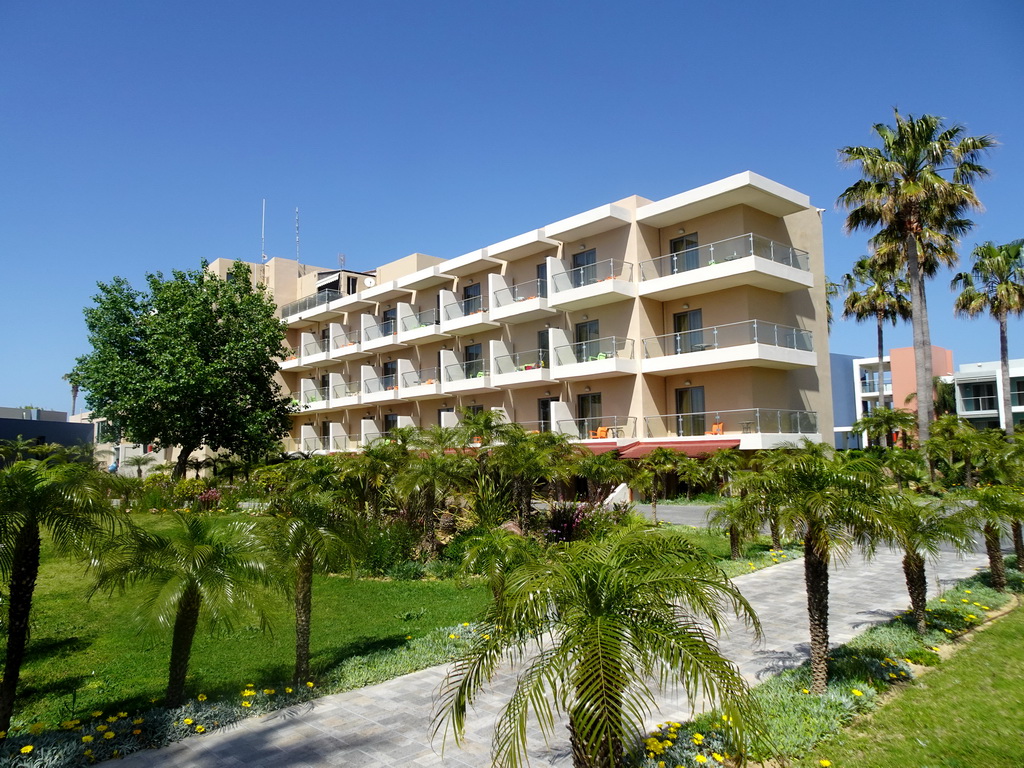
(697, 321)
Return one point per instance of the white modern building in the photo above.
(979, 394)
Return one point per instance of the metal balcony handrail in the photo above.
(344, 338)
(589, 274)
(380, 330)
(533, 289)
(420, 320)
(725, 422)
(292, 353)
(980, 403)
(315, 347)
(471, 369)
(729, 335)
(522, 361)
(724, 250)
(345, 389)
(471, 306)
(597, 349)
(381, 383)
(425, 376)
(308, 302)
(599, 427)
(314, 395)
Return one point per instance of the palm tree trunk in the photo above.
(1004, 375)
(24, 571)
(881, 375)
(1018, 544)
(917, 587)
(734, 542)
(922, 343)
(303, 617)
(816, 579)
(602, 755)
(185, 622)
(773, 528)
(995, 557)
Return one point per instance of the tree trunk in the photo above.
(1018, 544)
(773, 528)
(816, 578)
(185, 622)
(881, 376)
(734, 542)
(917, 587)
(602, 755)
(24, 571)
(995, 557)
(1004, 375)
(303, 617)
(181, 465)
(922, 343)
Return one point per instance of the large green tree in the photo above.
(68, 502)
(995, 285)
(187, 363)
(879, 294)
(916, 189)
(597, 624)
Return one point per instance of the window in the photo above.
(1016, 392)
(472, 300)
(387, 321)
(472, 410)
(587, 346)
(584, 268)
(979, 396)
(588, 412)
(474, 357)
(544, 345)
(683, 253)
(689, 411)
(544, 412)
(389, 375)
(542, 280)
(688, 334)
(351, 285)
(390, 423)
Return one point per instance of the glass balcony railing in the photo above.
(345, 389)
(589, 274)
(535, 427)
(471, 369)
(729, 335)
(722, 251)
(380, 384)
(983, 403)
(420, 320)
(314, 347)
(420, 378)
(311, 444)
(315, 395)
(344, 338)
(292, 353)
(522, 361)
(599, 427)
(308, 302)
(464, 308)
(591, 351)
(522, 292)
(741, 422)
(380, 330)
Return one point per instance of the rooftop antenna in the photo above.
(341, 261)
(296, 234)
(263, 233)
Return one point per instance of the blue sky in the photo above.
(139, 137)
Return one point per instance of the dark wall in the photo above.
(63, 432)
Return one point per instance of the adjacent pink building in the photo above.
(904, 373)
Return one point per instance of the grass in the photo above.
(968, 712)
(757, 553)
(85, 655)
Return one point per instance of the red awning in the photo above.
(690, 448)
(599, 446)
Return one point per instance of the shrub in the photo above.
(410, 570)
(387, 545)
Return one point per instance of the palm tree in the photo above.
(826, 497)
(312, 534)
(916, 190)
(995, 284)
(140, 461)
(19, 449)
(741, 516)
(722, 465)
(66, 501)
(918, 528)
(992, 508)
(654, 467)
(882, 423)
(203, 567)
(692, 472)
(603, 472)
(879, 294)
(596, 622)
(73, 380)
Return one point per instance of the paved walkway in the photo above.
(388, 725)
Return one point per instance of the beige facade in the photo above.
(699, 319)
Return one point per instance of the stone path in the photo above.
(388, 725)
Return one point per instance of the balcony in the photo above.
(610, 428)
(421, 385)
(382, 389)
(346, 346)
(469, 378)
(755, 427)
(980, 404)
(522, 303)
(592, 285)
(522, 369)
(314, 398)
(345, 394)
(312, 309)
(293, 360)
(745, 260)
(306, 356)
(534, 427)
(600, 358)
(381, 337)
(421, 328)
(735, 345)
(466, 316)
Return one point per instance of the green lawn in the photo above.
(86, 655)
(969, 712)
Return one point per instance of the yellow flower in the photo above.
(949, 631)
(137, 731)
(101, 728)
(269, 691)
(698, 738)
(109, 735)
(201, 697)
(701, 759)
(964, 600)
(37, 728)
(452, 636)
(26, 749)
(97, 713)
(309, 683)
(718, 757)
(287, 690)
(855, 692)
(187, 721)
(967, 591)
(248, 692)
(87, 752)
(804, 690)
(465, 623)
(246, 703)
(200, 729)
(87, 739)
(942, 599)
(824, 763)
(408, 637)
(137, 720)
